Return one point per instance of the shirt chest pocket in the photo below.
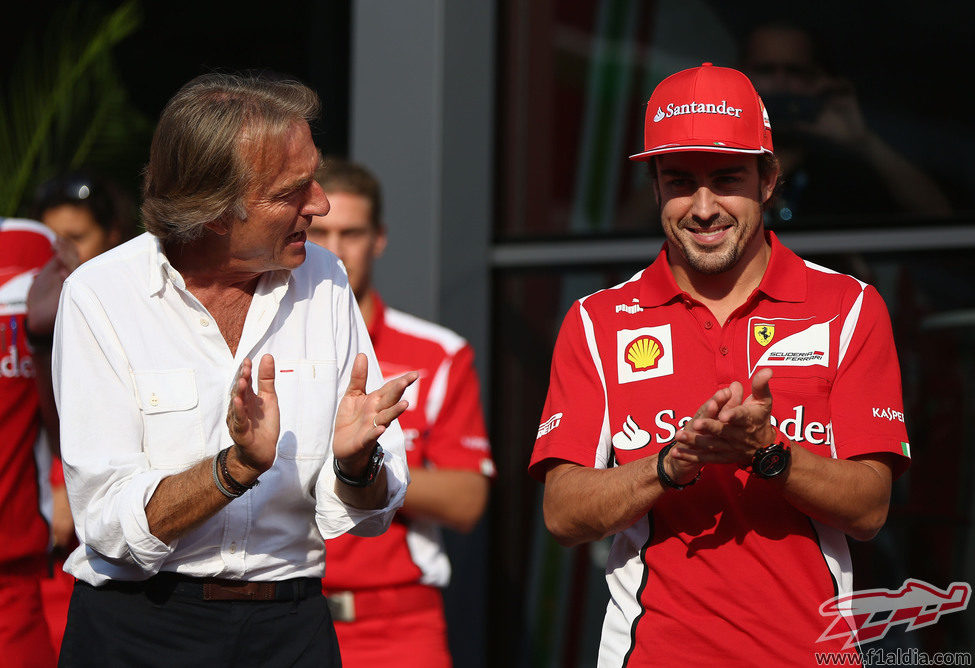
(307, 397)
(172, 424)
(801, 407)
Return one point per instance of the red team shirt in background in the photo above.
(25, 505)
(726, 571)
(443, 428)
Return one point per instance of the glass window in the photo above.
(868, 119)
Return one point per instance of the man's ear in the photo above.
(768, 186)
(379, 247)
(767, 183)
(220, 225)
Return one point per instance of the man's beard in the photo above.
(711, 261)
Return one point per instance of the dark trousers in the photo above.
(166, 622)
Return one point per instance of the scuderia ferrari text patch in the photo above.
(787, 342)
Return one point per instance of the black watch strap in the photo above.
(665, 480)
(772, 460)
(368, 476)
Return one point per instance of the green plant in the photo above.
(63, 105)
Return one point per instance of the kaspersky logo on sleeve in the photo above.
(644, 353)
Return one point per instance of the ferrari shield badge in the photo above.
(764, 333)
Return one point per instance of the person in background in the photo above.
(730, 414)
(832, 162)
(240, 417)
(89, 214)
(25, 503)
(385, 591)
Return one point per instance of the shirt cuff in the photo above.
(148, 552)
(335, 518)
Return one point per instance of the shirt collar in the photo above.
(657, 285)
(273, 283)
(785, 276)
(159, 268)
(784, 279)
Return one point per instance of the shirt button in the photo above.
(153, 400)
(708, 324)
(723, 350)
(233, 547)
(204, 322)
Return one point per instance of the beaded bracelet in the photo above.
(237, 488)
(216, 478)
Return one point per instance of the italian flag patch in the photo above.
(906, 449)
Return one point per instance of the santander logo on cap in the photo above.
(706, 108)
(696, 108)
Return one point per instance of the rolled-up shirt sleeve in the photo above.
(332, 515)
(107, 474)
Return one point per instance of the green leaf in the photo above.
(64, 106)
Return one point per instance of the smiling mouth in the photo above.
(296, 237)
(710, 234)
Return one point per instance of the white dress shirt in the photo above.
(142, 376)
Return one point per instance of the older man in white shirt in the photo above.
(220, 401)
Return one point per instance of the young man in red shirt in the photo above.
(385, 591)
(25, 491)
(730, 414)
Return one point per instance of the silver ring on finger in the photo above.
(374, 422)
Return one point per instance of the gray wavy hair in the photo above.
(208, 144)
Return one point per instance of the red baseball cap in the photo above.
(706, 108)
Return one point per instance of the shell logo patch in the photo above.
(644, 353)
(764, 333)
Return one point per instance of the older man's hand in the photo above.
(254, 419)
(362, 418)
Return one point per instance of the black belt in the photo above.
(162, 585)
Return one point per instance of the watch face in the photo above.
(772, 461)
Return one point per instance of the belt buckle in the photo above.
(215, 589)
(341, 604)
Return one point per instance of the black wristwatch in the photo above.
(772, 460)
(368, 476)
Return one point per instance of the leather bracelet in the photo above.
(233, 485)
(216, 478)
(368, 476)
(665, 480)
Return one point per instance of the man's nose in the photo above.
(317, 204)
(704, 205)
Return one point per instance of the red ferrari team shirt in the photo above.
(25, 246)
(725, 571)
(443, 427)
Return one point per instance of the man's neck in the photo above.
(722, 293)
(205, 273)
